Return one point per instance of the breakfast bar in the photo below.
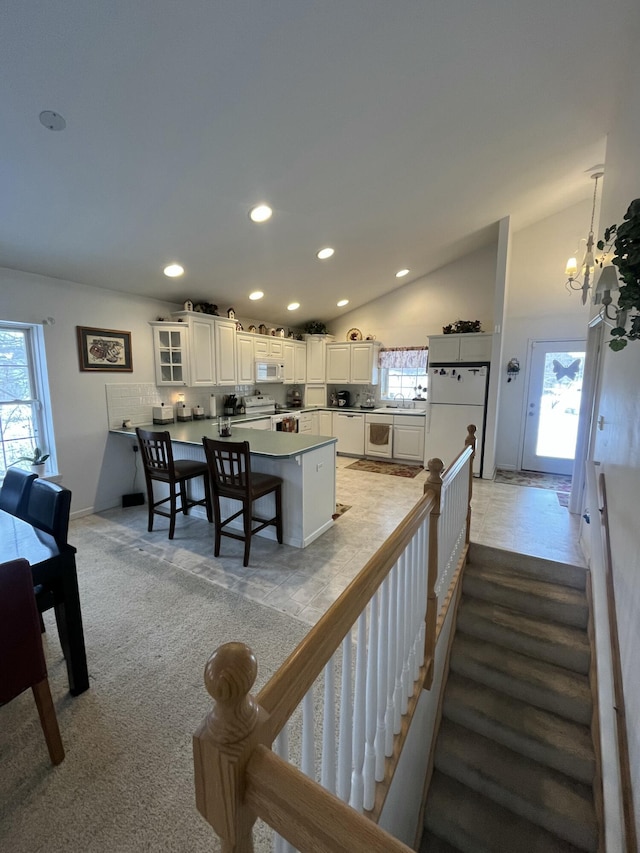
(306, 464)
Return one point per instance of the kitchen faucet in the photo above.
(395, 397)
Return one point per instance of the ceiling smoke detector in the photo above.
(52, 121)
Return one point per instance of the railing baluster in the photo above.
(281, 748)
(413, 634)
(422, 586)
(399, 632)
(308, 764)
(328, 770)
(383, 670)
(406, 623)
(357, 784)
(389, 717)
(345, 746)
(371, 710)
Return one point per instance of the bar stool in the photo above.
(159, 465)
(231, 477)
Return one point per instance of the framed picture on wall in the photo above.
(104, 350)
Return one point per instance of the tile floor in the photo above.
(305, 582)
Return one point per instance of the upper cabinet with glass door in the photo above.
(170, 346)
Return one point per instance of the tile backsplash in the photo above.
(135, 401)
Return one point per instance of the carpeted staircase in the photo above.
(514, 760)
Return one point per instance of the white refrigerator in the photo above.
(456, 397)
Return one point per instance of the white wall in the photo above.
(92, 464)
(462, 290)
(538, 307)
(617, 445)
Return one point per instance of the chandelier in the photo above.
(579, 278)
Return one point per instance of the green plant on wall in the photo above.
(624, 239)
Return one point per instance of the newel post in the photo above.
(222, 745)
(433, 484)
(470, 441)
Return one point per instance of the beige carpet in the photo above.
(126, 783)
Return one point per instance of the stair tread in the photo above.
(539, 682)
(538, 793)
(540, 631)
(528, 584)
(552, 602)
(550, 739)
(475, 824)
(564, 574)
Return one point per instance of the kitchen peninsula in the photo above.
(306, 464)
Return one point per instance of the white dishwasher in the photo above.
(378, 436)
(348, 428)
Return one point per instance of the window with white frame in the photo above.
(403, 373)
(25, 421)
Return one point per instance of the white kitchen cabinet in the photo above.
(171, 352)
(266, 346)
(288, 359)
(469, 348)
(316, 353)
(348, 428)
(339, 363)
(354, 362)
(408, 438)
(299, 362)
(201, 351)
(315, 423)
(325, 423)
(245, 359)
(225, 347)
(315, 395)
(305, 423)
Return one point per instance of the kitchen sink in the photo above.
(384, 410)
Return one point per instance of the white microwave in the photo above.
(269, 370)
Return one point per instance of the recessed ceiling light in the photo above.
(260, 213)
(402, 273)
(173, 270)
(342, 303)
(293, 306)
(323, 254)
(257, 294)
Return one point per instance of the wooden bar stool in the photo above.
(159, 464)
(231, 477)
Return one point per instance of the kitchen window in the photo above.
(25, 409)
(403, 373)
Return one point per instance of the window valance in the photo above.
(399, 357)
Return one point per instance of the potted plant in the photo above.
(36, 460)
(624, 239)
(315, 327)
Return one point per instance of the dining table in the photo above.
(55, 578)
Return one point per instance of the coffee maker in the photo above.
(344, 399)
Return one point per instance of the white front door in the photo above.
(553, 406)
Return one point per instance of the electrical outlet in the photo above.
(135, 448)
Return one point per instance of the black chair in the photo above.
(14, 493)
(22, 662)
(48, 509)
(229, 466)
(159, 465)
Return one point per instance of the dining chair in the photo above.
(229, 466)
(15, 489)
(22, 662)
(48, 509)
(159, 465)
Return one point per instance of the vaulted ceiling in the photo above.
(395, 132)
